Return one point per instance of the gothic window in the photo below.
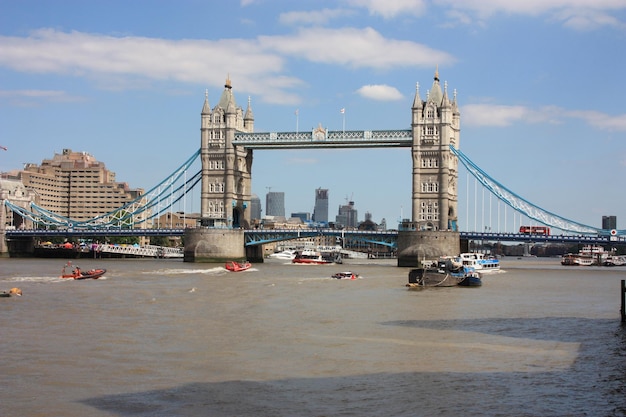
(430, 113)
(431, 130)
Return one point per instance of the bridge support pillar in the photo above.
(255, 253)
(415, 246)
(4, 249)
(214, 245)
(17, 247)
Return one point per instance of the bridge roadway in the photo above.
(261, 236)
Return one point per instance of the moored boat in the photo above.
(615, 260)
(447, 272)
(590, 255)
(479, 262)
(286, 254)
(234, 266)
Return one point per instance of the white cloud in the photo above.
(34, 97)
(257, 66)
(391, 8)
(380, 92)
(315, 17)
(501, 115)
(576, 14)
(357, 48)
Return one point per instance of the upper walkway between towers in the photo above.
(323, 138)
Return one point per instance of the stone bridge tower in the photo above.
(226, 184)
(436, 125)
(226, 169)
(433, 229)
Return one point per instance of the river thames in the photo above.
(168, 338)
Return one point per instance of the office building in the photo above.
(275, 204)
(609, 222)
(348, 216)
(255, 207)
(305, 217)
(320, 211)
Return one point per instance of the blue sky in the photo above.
(540, 86)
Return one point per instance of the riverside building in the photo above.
(76, 185)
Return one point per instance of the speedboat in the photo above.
(345, 275)
(78, 273)
(12, 291)
(237, 266)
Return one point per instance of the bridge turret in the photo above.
(248, 118)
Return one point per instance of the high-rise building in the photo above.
(77, 186)
(255, 207)
(275, 203)
(305, 217)
(320, 211)
(348, 215)
(609, 222)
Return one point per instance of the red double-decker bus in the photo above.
(534, 230)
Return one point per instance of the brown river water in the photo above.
(169, 338)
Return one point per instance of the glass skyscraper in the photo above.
(275, 204)
(320, 212)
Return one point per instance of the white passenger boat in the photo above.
(479, 262)
(286, 254)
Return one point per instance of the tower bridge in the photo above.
(228, 141)
(227, 144)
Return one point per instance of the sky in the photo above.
(540, 85)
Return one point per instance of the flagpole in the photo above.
(297, 115)
(343, 115)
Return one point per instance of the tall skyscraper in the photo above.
(609, 222)
(255, 207)
(275, 204)
(320, 212)
(348, 215)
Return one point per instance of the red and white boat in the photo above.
(312, 257)
(237, 266)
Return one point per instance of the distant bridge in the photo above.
(257, 237)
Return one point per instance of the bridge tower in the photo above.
(433, 229)
(226, 168)
(226, 182)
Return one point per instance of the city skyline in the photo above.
(539, 87)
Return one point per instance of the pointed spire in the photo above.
(445, 101)
(249, 115)
(227, 97)
(417, 101)
(435, 91)
(206, 108)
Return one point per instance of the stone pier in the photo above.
(415, 246)
(214, 245)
